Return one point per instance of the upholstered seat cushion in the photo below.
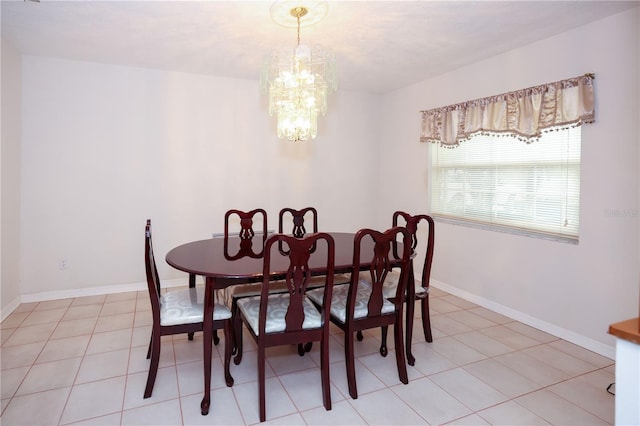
(277, 306)
(339, 301)
(391, 285)
(279, 286)
(186, 306)
(252, 289)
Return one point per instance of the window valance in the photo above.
(524, 113)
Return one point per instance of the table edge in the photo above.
(627, 330)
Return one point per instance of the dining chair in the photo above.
(248, 247)
(275, 319)
(251, 239)
(176, 312)
(360, 305)
(420, 289)
(297, 219)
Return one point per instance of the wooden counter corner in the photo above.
(627, 330)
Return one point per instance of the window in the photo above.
(501, 182)
(506, 184)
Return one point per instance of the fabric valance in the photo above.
(525, 113)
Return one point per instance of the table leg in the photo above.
(207, 342)
(192, 284)
(411, 305)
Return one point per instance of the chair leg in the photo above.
(304, 347)
(350, 363)
(383, 340)
(153, 367)
(228, 330)
(399, 341)
(411, 306)
(359, 336)
(237, 326)
(237, 329)
(261, 383)
(150, 343)
(192, 284)
(426, 320)
(216, 338)
(324, 371)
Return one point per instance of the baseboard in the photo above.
(11, 306)
(93, 291)
(84, 292)
(568, 335)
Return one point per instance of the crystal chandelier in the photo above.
(298, 80)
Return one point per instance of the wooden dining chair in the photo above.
(360, 305)
(275, 319)
(420, 289)
(251, 239)
(176, 312)
(249, 244)
(297, 219)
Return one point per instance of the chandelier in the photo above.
(298, 80)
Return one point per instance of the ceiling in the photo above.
(379, 45)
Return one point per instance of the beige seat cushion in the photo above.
(391, 284)
(252, 289)
(277, 306)
(186, 306)
(339, 301)
(280, 286)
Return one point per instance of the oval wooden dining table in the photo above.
(225, 262)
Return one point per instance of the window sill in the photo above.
(505, 229)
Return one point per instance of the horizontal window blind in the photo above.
(499, 180)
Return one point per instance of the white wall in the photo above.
(106, 147)
(572, 290)
(10, 177)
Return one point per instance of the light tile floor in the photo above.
(83, 361)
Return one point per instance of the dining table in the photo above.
(229, 261)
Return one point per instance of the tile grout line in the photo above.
(136, 313)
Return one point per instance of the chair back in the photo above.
(250, 245)
(411, 222)
(153, 280)
(298, 275)
(382, 261)
(298, 217)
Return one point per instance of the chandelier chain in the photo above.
(298, 18)
(298, 12)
